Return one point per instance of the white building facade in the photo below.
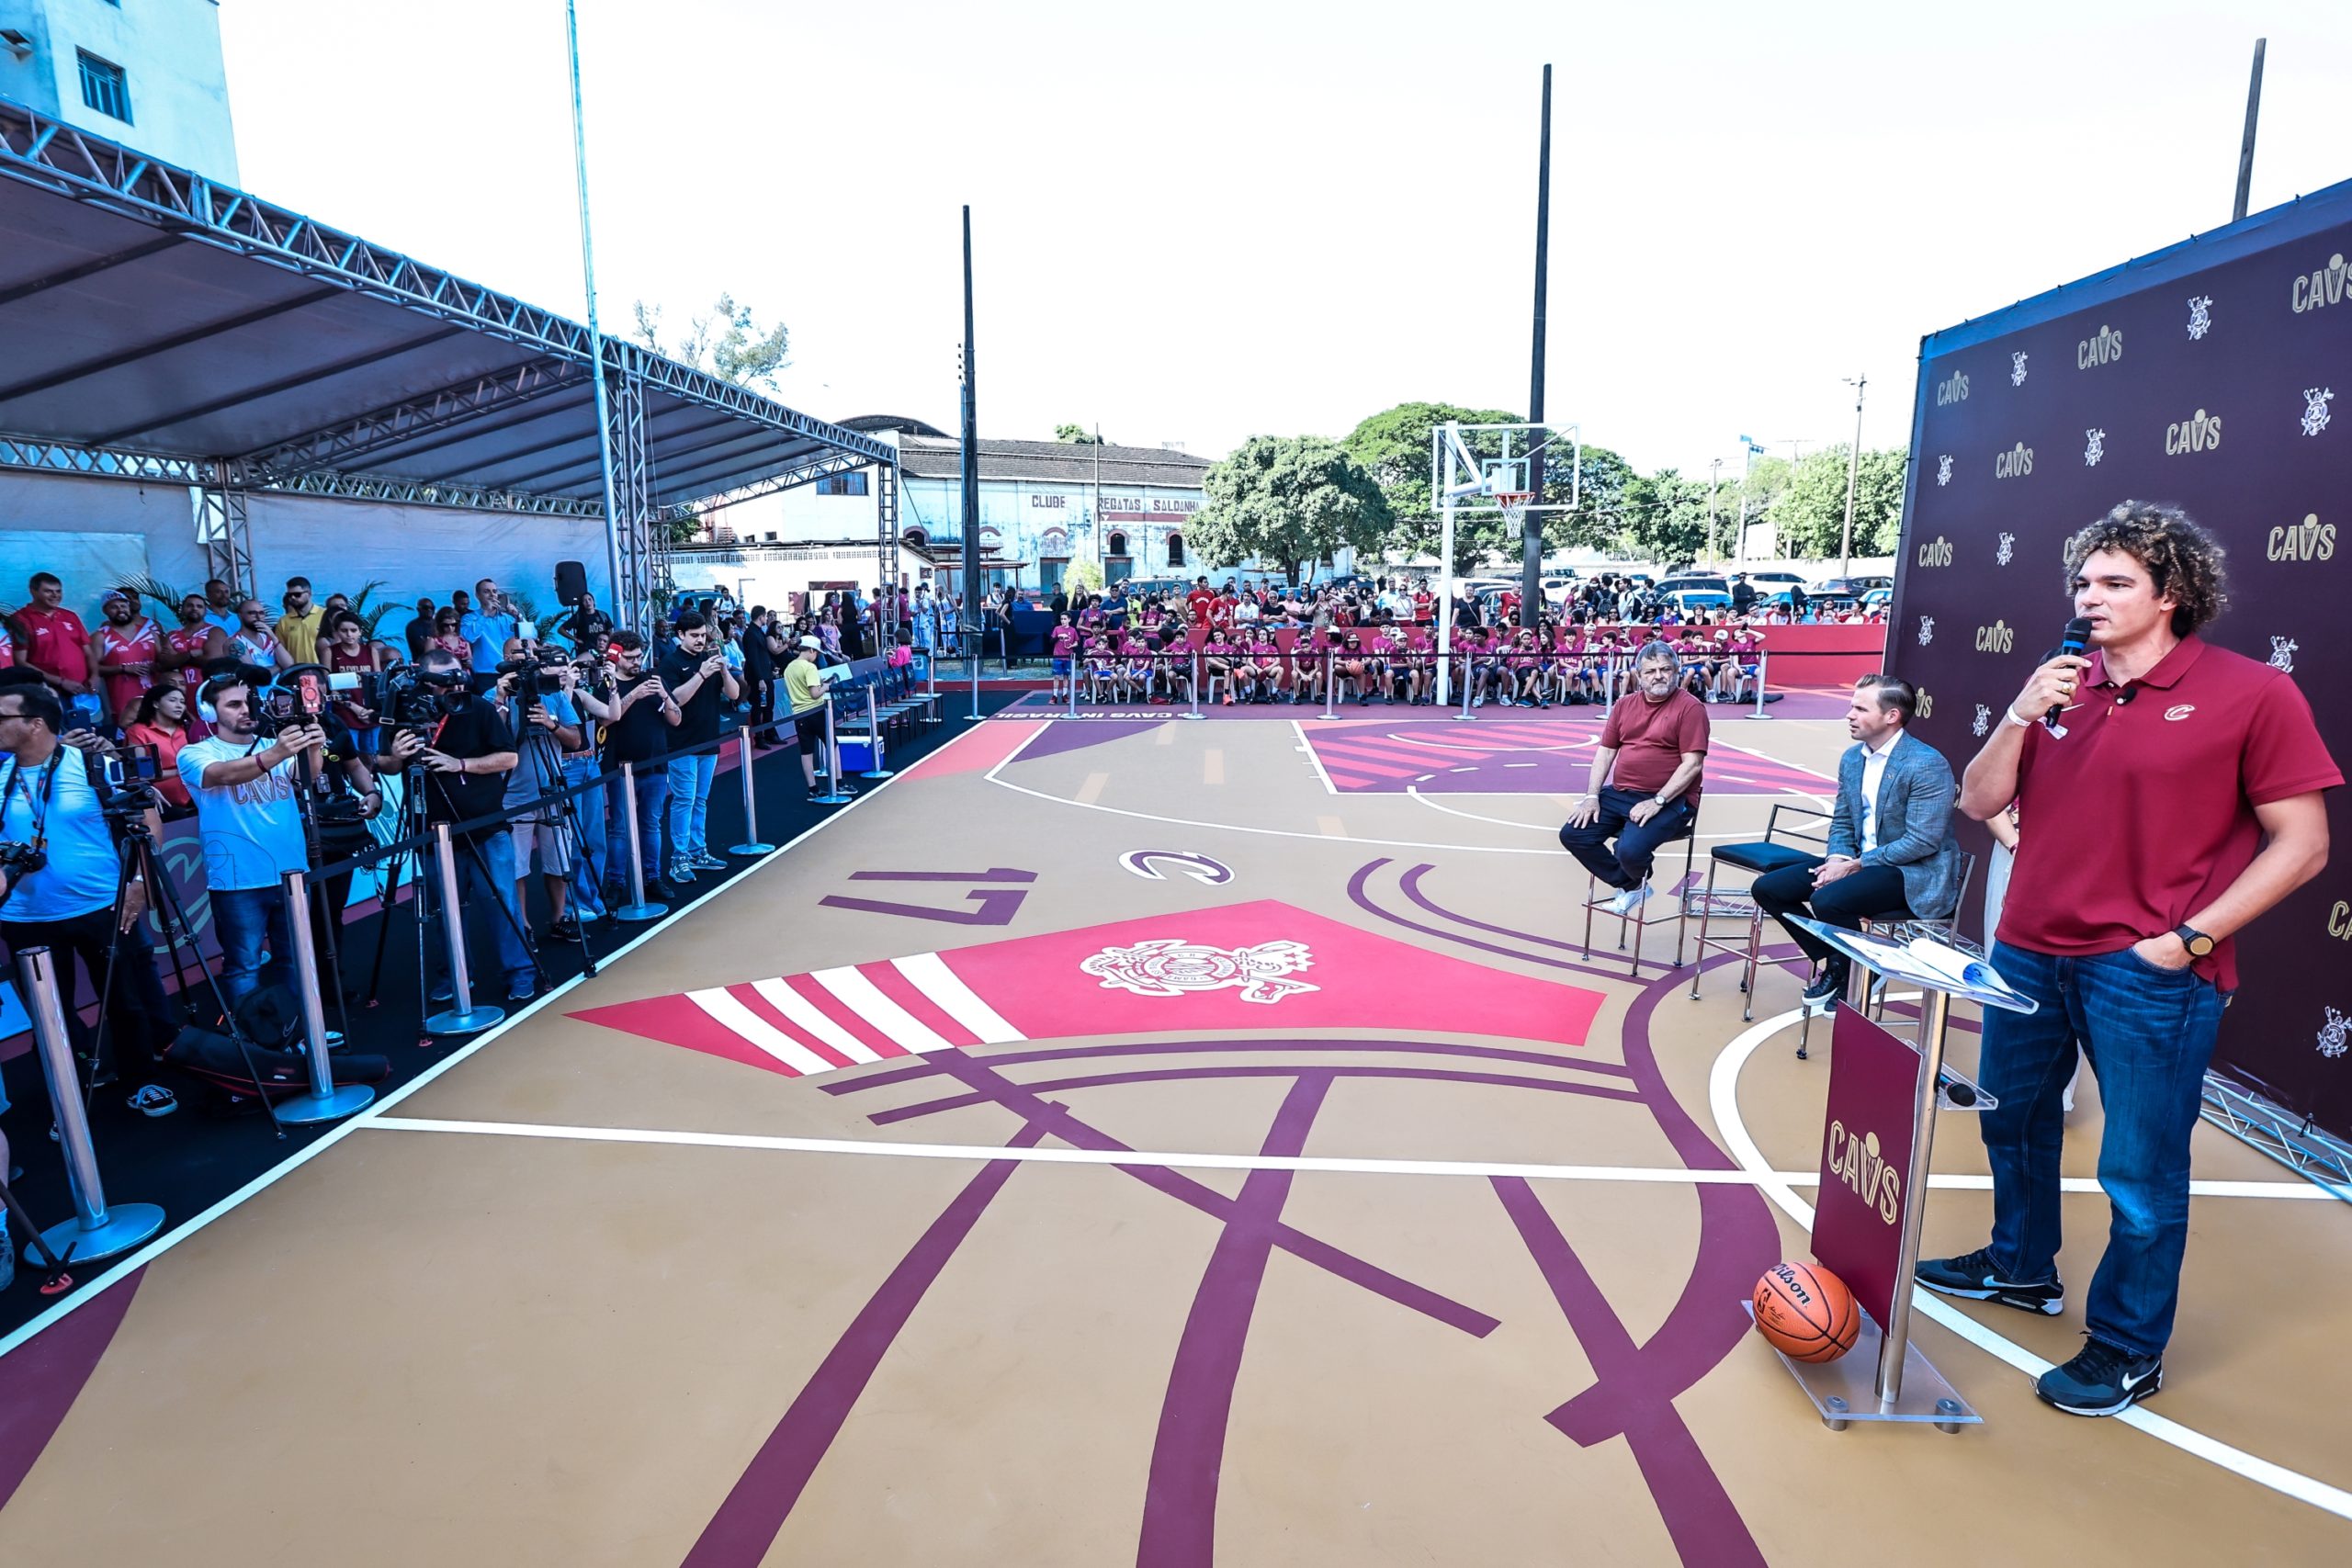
(1044, 507)
(148, 73)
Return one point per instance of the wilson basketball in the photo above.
(1806, 1312)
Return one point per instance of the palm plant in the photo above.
(370, 610)
(165, 597)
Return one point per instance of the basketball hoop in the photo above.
(1514, 503)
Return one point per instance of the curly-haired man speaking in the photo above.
(2178, 800)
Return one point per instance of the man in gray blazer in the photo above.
(1892, 854)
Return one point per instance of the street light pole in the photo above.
(1853, 472)
(623, 601)
(1715, 483)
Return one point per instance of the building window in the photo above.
(104, 87)
(843, 484)
(1175, 549)
(914, 539)
(771, 536)
(1116, 544)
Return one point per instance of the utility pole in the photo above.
(1530, 527)
(970, 621)
(1749, 449)
(2252, 113)
(1714, 483)
(624, 603)
(1853, 472)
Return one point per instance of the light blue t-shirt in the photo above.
(83, 861)
(253, 831)
(487, 634)
(529, 777)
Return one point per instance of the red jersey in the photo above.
(56, 643)
(186, 643)
(1424, 609)
(135, 644)
(1197, 603)
(1065, 639)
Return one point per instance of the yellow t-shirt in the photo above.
(804, 684)
(300, 634)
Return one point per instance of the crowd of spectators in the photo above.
(278, 732)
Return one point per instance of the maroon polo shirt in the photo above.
(2143, 812)
(1650, 739)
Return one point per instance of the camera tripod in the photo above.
(539, 751)
(140, 858)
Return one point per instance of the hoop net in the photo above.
(1514, 503)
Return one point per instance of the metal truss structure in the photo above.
(2290, 1139)
(506, 422)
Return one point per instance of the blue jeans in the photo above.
(1627, 865)
(482, 881)
(588, 875)
(250, 920)
(690, 803)
(653, 795)
(2149, 1034)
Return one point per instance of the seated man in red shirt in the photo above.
(1644, 788)
(2180, 794)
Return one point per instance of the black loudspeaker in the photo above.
(571, 581)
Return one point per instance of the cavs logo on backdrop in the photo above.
(2201, 432)
(2015, 462)
(1953, 388)
(2311, 540)
(1858, 1164)
(2104, 348)
(1998, 637)
(2320, 288)
(1936, 552)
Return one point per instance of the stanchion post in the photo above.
(462, 1017)
(834, 795)
(1077, 663)
(1469, 686)
(977, 646)
(94, 1231)
(324, 1103)
(874, 738)
(1763, 660)
(638, 907)
(751, 844)
(1196, 685)
(1331, 683)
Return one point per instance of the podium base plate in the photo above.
(1845, 1390)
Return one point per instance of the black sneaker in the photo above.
(1826, 988)
(1974, 1277)
(565, 928)
(2100, 1380)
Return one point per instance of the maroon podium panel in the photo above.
(1866, 1160)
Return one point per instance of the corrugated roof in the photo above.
(1058, 462)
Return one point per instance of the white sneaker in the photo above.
(1626, 902)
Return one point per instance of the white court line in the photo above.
(1722, 1096)
(1313, 755)
(1334, 1165)
(294, 1162)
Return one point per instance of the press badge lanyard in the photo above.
(48, 782)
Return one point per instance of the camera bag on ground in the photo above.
(271, 1020)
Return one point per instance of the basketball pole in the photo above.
(970, 626)
(1530, 527)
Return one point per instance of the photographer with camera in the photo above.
(533, 694)
(460, 762)
(61, 873)
(251, 827)
(637, 716)
(696, 674)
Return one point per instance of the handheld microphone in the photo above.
(2077, 637)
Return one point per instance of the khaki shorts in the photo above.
(552, 844)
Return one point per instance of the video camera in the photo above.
(534, 675)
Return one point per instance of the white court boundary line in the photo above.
(303, 1156)
(1313, 757)
(1722, 1097)
(1333, 1164)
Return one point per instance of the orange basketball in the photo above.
(1806, 1312)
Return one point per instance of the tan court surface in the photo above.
(590, 1296)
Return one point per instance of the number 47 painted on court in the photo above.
(997, 905)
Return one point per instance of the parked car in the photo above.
(1880, 599)
(1689, 603)
(1695, 581)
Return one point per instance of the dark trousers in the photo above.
(1872, 891)
(763, 719)
(137, 1020)
(1627, 863)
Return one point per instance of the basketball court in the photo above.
(1142, 1140)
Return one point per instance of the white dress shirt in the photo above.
(1873, 771)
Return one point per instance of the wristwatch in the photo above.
(2197, 941)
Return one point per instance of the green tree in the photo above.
(1075, 435)
(1809, 511)
(729, 342)
(1664, 517)
(1288, 501)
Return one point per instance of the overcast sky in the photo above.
(1199, 222)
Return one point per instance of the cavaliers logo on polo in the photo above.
(2311, 540)
(1858, 1164)
(2104, 347)
(1952, 388)
(1936, 552)
(2201, 432)
(2321, 287)
(2015, 462)
(1998, 637)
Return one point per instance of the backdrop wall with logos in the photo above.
(2207, 376)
